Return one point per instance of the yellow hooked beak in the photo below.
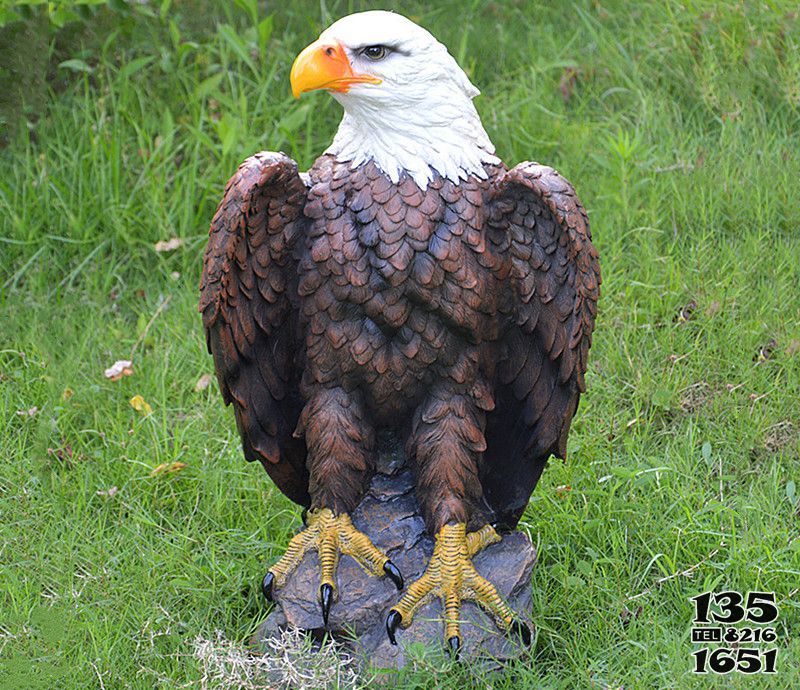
(324, 65)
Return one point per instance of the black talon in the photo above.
(394, 574)
(455, 644)
(393, 621)
(326, 598)
(523, 631)
(266, 586)
(304, 516)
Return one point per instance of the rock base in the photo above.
(389, 514)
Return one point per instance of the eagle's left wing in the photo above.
(555, 285)
(249, 280)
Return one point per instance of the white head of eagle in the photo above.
(407, 104)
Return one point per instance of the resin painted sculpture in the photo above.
(408, 283)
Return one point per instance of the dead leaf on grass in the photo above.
(64, 454)
(168, 468)
(765, 352)
(168, 245)
(793, 348)
(627, 615)
(203, 382)
(686, 312)
(563, 490)
(120, 368)
(139, 404)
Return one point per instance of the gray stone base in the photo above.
(390, 516)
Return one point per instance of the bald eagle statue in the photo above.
(409, 283)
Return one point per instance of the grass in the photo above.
(677, 122)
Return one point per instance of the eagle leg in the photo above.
(446, 441)
(451, 576)
(329, 535)
(340, 444)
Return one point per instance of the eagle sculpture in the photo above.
(410, 283)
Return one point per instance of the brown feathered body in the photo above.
(457, 317)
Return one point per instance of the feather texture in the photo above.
(247, 301)
(458, 316)
(555, 278)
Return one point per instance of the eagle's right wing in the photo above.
(249, 280)
(555, 285)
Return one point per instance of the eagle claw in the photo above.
(455, 645)
(326, 598)
(522, 631)
(394, 574)
(329, 535)
(393, 622)
(266, 585)
(451, 576)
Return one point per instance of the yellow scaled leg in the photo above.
(329, 535)
(451, 576)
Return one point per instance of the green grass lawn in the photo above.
(678, 123)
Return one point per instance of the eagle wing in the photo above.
(555, 285)
(247, 288)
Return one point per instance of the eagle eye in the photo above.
(374, 52)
